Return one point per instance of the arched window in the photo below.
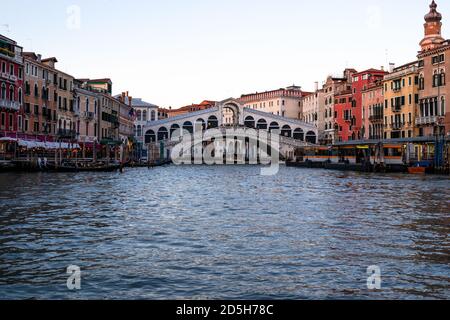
(87, 104)
(153, 116)
(36, 90)
(139, 115)
(421, 82)
(144, 115)
(3, 91)
(442, 78)
(442, 106)
(11, 93)
(20, 95)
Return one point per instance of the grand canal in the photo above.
(224, 232)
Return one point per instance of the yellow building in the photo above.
(401, 94)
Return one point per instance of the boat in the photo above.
(417, 170)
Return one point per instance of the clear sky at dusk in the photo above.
(174, 52)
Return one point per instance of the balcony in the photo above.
(13, 105)
(397, 125)
(432, 120)
(89, 116)
(8, 76)
(396, 108)
(65, 133)
(376, 118)
(10, 54)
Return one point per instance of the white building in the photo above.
(313, 108)
(281, 102)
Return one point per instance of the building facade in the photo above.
(39, 116)
(361, 81)
(333, 86)
(401, 98)
(67, 112)
(313, 108)
(11, 82)
(144, 112)
(87, 102)
(282, 102)
(373, 112)
(433, 116)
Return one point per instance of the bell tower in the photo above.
(433, 26)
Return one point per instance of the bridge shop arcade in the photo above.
(293, 133)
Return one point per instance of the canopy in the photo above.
(47, 145)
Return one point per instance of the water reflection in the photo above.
(224, 232)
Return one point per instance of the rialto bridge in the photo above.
(294, 133)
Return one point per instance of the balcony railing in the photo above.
(428, 120)
(8, 76)
(396, 108)
(65, 133)
(376, 118)
(397, 125)
(88, 116)
(13, 105)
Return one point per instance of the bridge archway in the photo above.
(174, 128)
(200, 122)
(150, 136)
(188, 127)
(213, 122)
(230, 113)
(299, 134)
(262, 124)
(249, 122)
(286, 131)
(274, 126)
(163, 134)
(311, 137)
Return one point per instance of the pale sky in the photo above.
(174, 52)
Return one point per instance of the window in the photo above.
(421, 82)
(3, 91)
(20, 98)
(11, 93)
(442, 106)
(438, 59)
(11, 69)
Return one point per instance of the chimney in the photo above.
(130, 99)
(39, 58)
(316, 86)
(382, 68)
(122, 97)
(391, 67)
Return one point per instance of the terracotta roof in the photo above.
(50, 59)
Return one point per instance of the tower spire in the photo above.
(433, 26)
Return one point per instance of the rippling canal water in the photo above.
(224, 232)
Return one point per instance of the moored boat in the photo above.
(417, 170)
